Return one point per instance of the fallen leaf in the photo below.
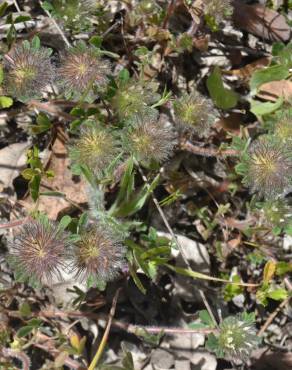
(245, 72)
(275, 89)
(12, 161)
(62, 182)
(261, 21)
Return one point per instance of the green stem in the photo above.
(103, 342)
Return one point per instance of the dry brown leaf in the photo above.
(261, 21)
(62, 182)
(273, 90)
(245, 72)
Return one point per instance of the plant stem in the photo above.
(102, 345)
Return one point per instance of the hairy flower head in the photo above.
(237, 337)
(82, 69)
(99, 254)
(218, 9)
(149, 139)
(96, 148)
(38, 250)
(268, 167)
(283, 128)
(194, 113)
(134, 97)
(27, 71)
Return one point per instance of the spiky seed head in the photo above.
(82, 69)
(28, 71)
(194, 113)
(38, 250)
(134, 97)
(268, 167)
(96, 148)
(98, 254)
(277, 212)
(283, 128)
(218, 9)
(237, 337)
(149, 139)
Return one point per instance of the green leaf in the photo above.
(126, 185)
(24, 331)
(5, 102)
(53, 194)
(36, 43)
(34, 186)
(199, 275)
(283, 268)
(43, 124)
(28, 173)
(261, 76)
(64, 222)
(212, 342)
(136, 279)
(137, 201)
(128, 362)
(25, 309)
(206, 318)
(260, 109)
(222, 97)
(124, 76)
(1, 75)
(22, 18)
(3, 8)
(152, 252)
(232, 290)
(278, 294)
(82, 222)
(96, 41)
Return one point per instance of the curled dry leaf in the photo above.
(245, 72)
(275, 89)
(261, 21)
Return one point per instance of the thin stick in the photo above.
(130, 328)
(277, 310)
(207, 152)
(164, 219)
(102, 345)
(9, 225)
(58, 28)
(208, 307)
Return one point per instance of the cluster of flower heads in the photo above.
(236, 337)
(144, 136)
(42, 250)
(28, 70)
